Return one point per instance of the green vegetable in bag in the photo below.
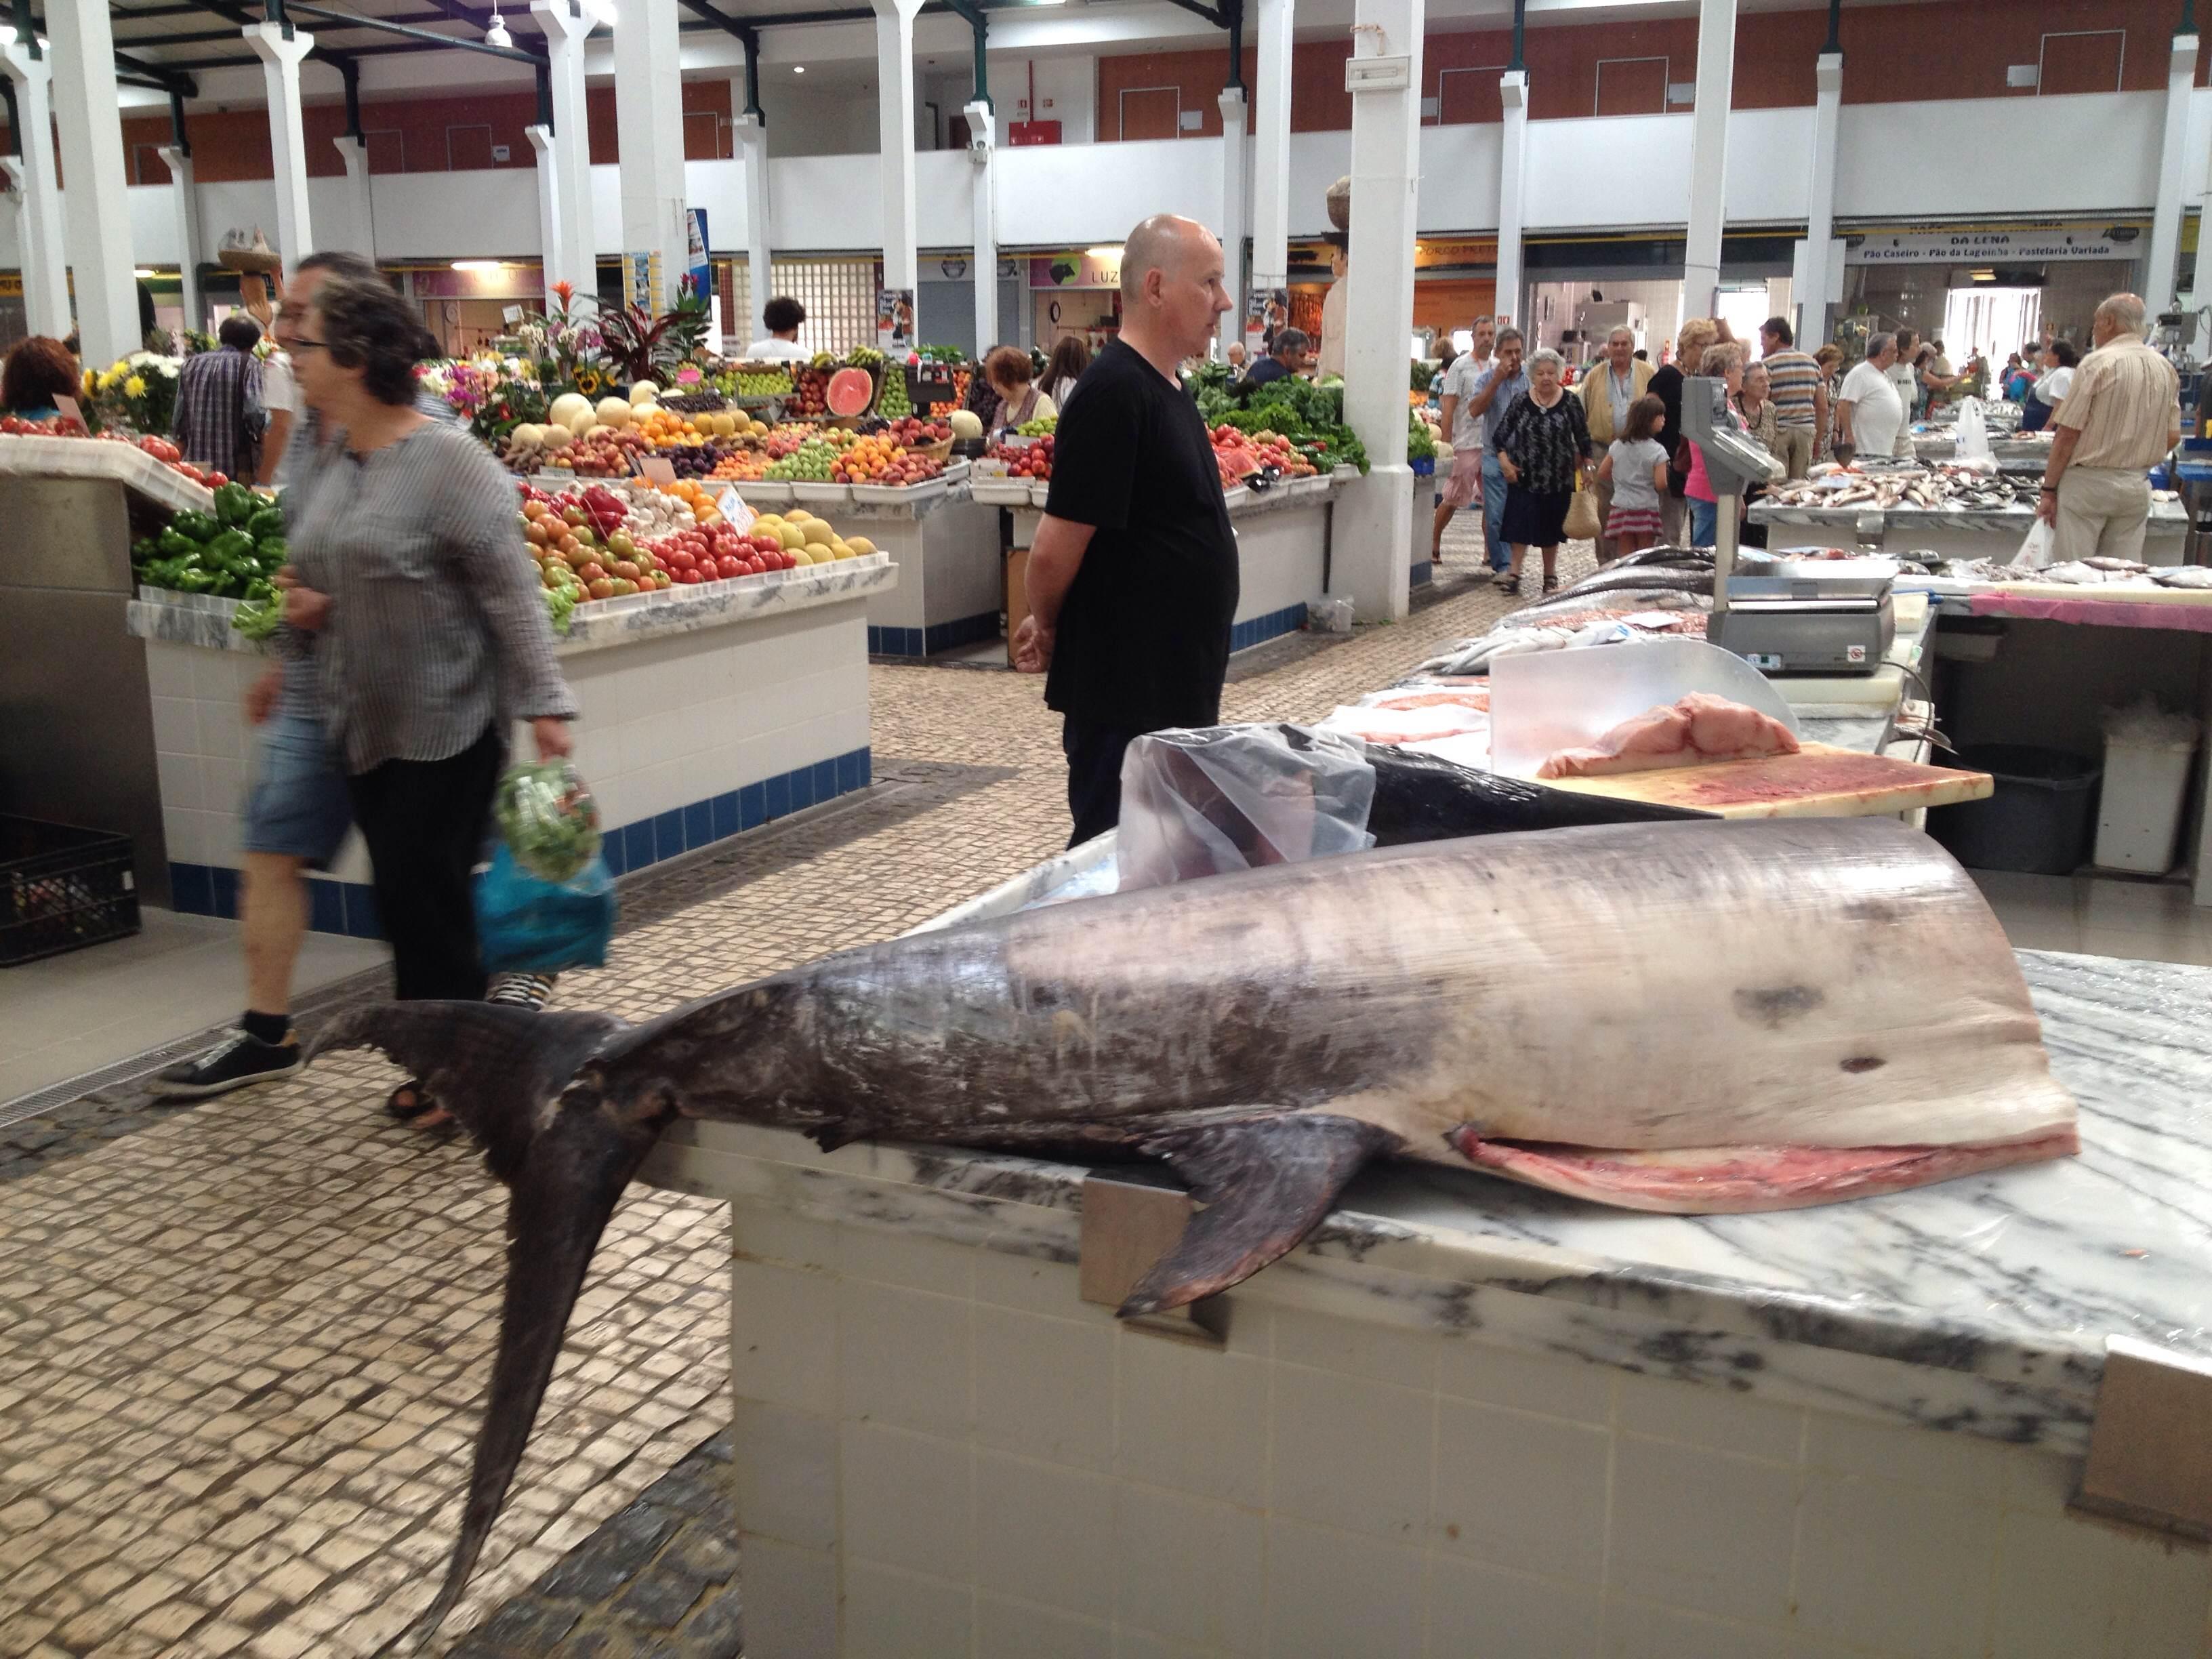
(257, 619)
(194, 526)
(551, 822)
(234, 504)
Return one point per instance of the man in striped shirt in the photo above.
(1800, 392)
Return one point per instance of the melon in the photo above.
(613, 411)
(558, 437)
(967, 424)
(581, 421)
(819, 534)
(527, 436)
(797, 515)
(645, 391)
(567, 406)
(792, 537)
(850, 392)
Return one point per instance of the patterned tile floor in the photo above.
(241, 1345)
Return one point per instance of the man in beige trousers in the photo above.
(1614, 381)
(2121, 417)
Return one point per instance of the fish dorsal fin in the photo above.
(1266, 1182)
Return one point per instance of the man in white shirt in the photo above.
(783, 316)
(1463, 431)
(281, 399)
(1869, 412)
(1330, 360)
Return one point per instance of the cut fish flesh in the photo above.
(1699, 729)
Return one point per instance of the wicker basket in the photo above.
(940, 451)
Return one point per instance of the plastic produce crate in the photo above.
(62, 889)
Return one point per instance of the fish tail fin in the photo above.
(573, 1170)
(1266, 1183)
(493, 1067)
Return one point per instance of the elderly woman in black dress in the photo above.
(1544, 443)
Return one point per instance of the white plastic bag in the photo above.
(1220, 799)
(1973, 430)
(2035, 551)
(2143, 725)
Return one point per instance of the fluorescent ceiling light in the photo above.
(798, 69)
(479, 266)
(1981, 275)
(143, 273)
(1110, 251)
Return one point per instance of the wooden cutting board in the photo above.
(1819, 781)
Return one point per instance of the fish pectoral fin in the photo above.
(1266, 1182)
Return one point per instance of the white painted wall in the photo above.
(1066, 92)
(2091, 154)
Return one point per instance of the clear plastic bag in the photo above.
(527, 924)
(1973, 438)
(548, 819)
(2035, 550)
(1220, 799)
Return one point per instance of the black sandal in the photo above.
(420, 1107)
(1506, 582)
(1550, 584)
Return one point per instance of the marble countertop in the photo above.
(2167, 518)
(1978, 1306)
(198, 620)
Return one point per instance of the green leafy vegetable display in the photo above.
(258, 619)
(1420, 443)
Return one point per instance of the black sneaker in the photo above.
(530, 991)
(239, 1058)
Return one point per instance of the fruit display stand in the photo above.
(707, 710)
(70, 508)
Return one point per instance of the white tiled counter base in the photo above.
(940, 1452)
(952, 585)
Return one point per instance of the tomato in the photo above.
(689, 576)
(729, 569)
(625, 571)
(214, 480)
(600, 587)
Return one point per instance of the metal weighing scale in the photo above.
(1814, 616)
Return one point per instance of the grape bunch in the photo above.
(693, 460)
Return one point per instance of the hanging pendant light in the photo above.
(496, 35)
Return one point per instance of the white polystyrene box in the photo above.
(2139, 817)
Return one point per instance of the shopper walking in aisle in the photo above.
(1633, 475)
(1292, 354)
(1065, 367)
(1801, 396)
(39, 371)
(1545, 446)
(2122, 416)
(2059, 360)
(783, 317)
(1491, 392)
(1690, 343)
(404, 513)
(1013, 377)
(1131, 577)
(1830, 357)
(1754, 406)
(1462, 422)
(1868, 411)
(1615, 380)
(1721, 363)
(218, 396)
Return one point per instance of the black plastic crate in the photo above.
(62, 889)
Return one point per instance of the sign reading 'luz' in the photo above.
(2034, 246)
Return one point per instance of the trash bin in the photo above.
(2037, 820)
(2147, 756)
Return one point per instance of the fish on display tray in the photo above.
(1684, 1018)
(2182, 576)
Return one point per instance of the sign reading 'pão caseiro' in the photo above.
(2034, 245)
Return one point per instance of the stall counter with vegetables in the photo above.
(231, 553)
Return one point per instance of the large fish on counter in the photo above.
(1686, 1016)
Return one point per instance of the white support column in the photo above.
(1701, 263)
(1235, 120)
(280, 71)
(552, 240)
(565, 34)
(1373, 534)
(353, 152)
(895, 115)
(1810, 288)
(982, 150)
(1512, 185)
(2165, 217)
(752, 143)
(184, 203)
(649, 122)
(45, 265)
(96, 212)
(1271, 148)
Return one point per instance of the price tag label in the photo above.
(66, 407)
(732, 506)
(654, 470)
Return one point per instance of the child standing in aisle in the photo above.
(1634, 465)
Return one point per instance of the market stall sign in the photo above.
(2039, 245)
(1098, 267)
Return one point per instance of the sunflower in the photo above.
(587, 381)
(135, 386)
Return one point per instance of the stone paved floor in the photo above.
(241, 1345)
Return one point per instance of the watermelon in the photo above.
(850, 392)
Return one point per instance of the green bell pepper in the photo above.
(264, 524)
(173, 544)
(195, 526)
(271, 553)
(194, 581)
(235, 504)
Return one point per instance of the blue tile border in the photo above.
(1257, 630)
(349, 908)
(1421, 574)
(938, 637)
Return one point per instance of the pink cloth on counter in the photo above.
(2178, 617)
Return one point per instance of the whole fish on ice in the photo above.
(1684, 1017)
